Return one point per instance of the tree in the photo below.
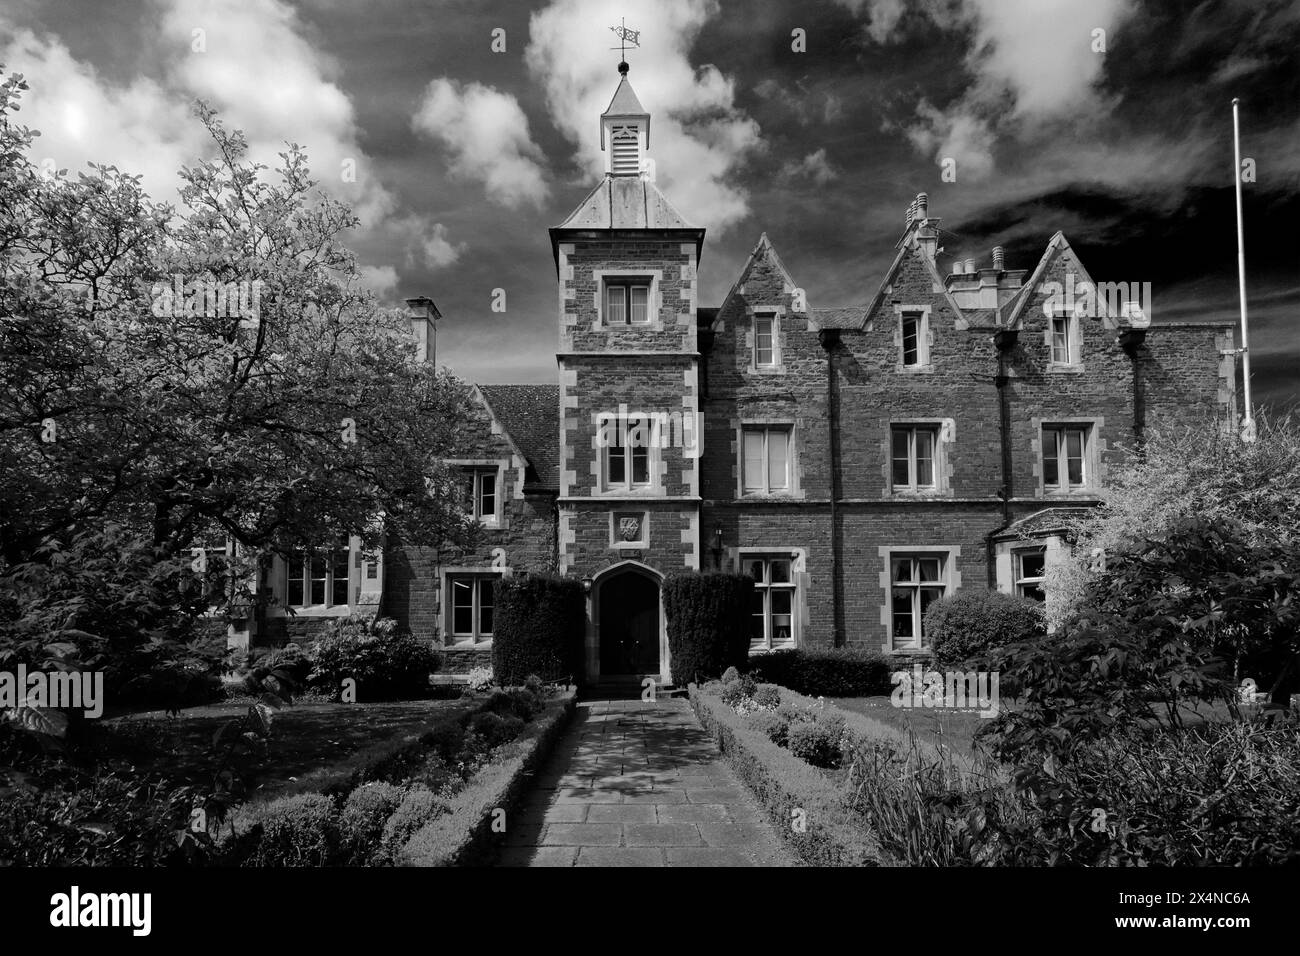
(290, 418)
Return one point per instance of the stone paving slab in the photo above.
(636, 783)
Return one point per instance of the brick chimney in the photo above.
(424, 316)
(990, 288)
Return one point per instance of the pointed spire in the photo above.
(625, 125)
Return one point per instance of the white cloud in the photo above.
(256, 69)
(1030, 71)
(486, 135)
(426, 242)
(698, 137)
(814, 166)
(381, 280)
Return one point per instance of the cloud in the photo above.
(1029, 73)
(381, 280)
(426, 242)
(247, 58)
(486, 136)
(813, 166)
(698, 136)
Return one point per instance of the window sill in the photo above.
(470, 645)
(317, 610)
(920, 492)
(927, 369)
(1083, 491)
(770, 496)
(1060, 368)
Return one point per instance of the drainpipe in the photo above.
(1005, 340)
(829, 339)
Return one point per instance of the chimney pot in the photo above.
(970, 267)
(922, 206)
(998, 253)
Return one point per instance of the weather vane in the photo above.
(625, 36)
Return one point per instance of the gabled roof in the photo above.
(764, 250)
(909, 245)
(530, 416)
(625, 202)
(1058, 245)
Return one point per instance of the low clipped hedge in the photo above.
(966, 625)
(538, 626)
(789, 789)
(464, 836)
(708, 619)
(825, 672)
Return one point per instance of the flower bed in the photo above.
(808, 808)
(369, 811)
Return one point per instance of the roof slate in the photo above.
(530, 414)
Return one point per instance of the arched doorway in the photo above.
(629, 623)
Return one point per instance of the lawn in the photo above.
(932, 725)
(305, 738)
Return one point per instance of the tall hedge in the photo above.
(968, 624)
(708, 623)
(538, 628)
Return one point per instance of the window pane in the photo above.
(462, 606)
(319, 573)
(1060, 340)
(903, 570)
(615, 464)
(1031, 564)
(901, 471)
(640, 465)
(929, 568)
(487, 503)
(753, 461)
(763, 340)
(339, 579)
(780, 571)
(911, 335)
(1051, 470)
(924, 457)
(782, 601)
(297, 571)
(902, 613)
(756, 571)
(485, 596)
(928, 597)
(1074, 455)
(640, 303)
(778, 460)
(616, 305)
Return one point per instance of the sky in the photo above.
(461, 131)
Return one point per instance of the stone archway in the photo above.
(627, 624)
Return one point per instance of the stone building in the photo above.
(858, 462)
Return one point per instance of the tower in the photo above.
(630, 429)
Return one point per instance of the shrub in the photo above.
(817, 741)
(708, 623)
(385, 665)
(769, 722)
(741, 689)
(825, 672)
(516, 702)
(968, 624)
(768, 697)
(296, 831)
(494, 729)
(361, 824)
(479, 679)
(538, 623)
(417, 808)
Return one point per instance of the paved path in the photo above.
(634, 783)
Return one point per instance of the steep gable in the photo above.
(529, 415)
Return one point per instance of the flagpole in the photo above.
(1248, 420)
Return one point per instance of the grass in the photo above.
(931, 725)
(305, 738)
